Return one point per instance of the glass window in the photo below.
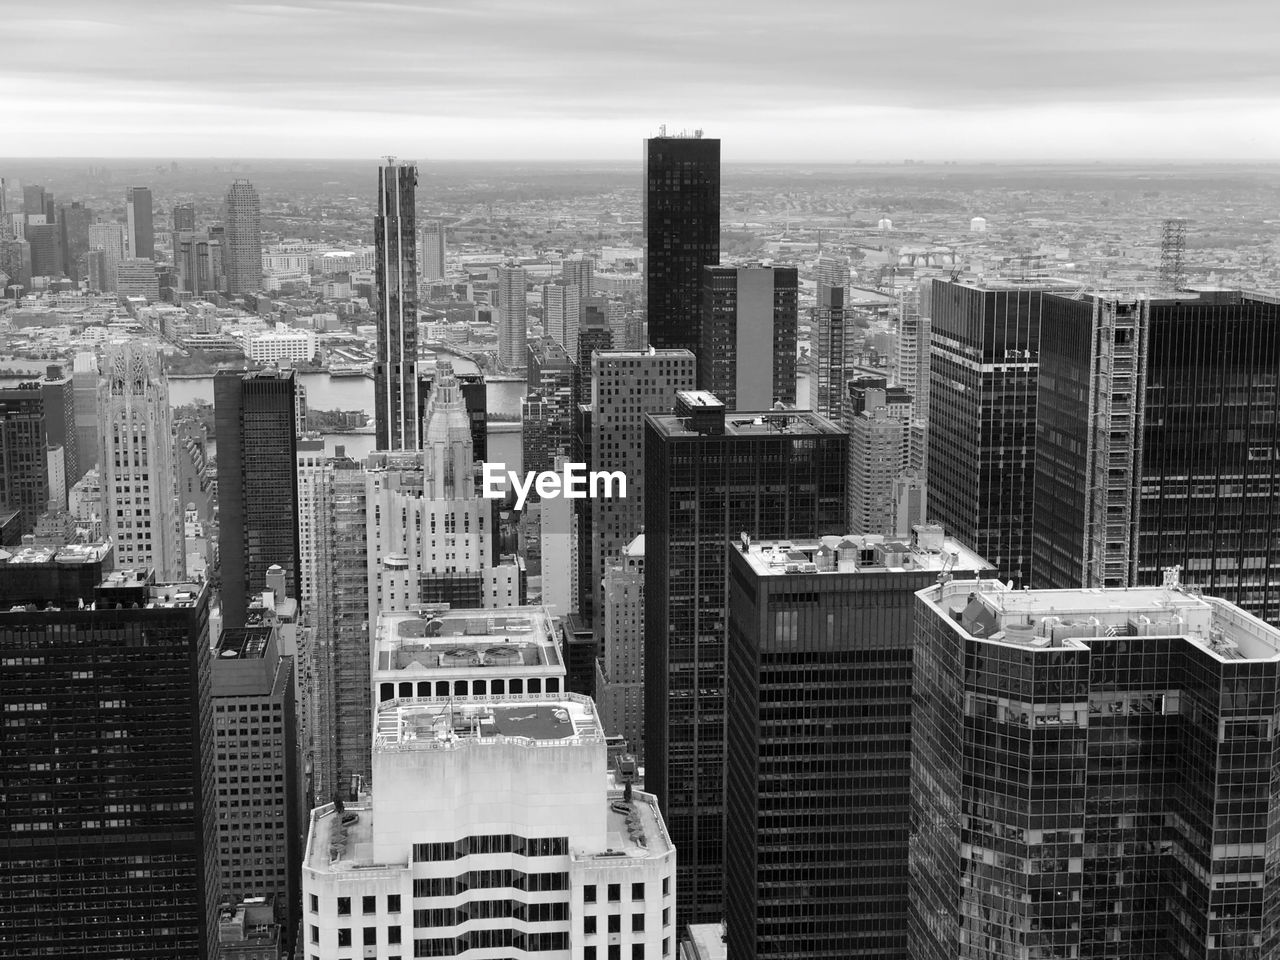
(344, 906)
(589, 893)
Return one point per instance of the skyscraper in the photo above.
(1091, 774)
(184, 217)
(833, 337)
(73, 231)
(34, 200)
(709, 476)
(620, 677)
(878, 418)
(747, 354)
(112, 240)
(257, 484)
(140, 243)
(561, 313)
(682, 234)
(546, 414)
(136, 460)
(513, 323)
(433, 250)
(138, 278)
(242, 249)
(396, 414)
(594, 334)
(60, 422)
(818, 740)
(24, 470)
(110, 827)
(46, 249)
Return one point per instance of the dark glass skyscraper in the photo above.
(257, 484)
(682, 234)
(747, 353)
(709, 476)
(818, 745)
(108, 839)
(140, 236)
(395, 390)
(24, 465)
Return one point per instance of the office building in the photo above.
(396, 413)
(620, 670)
(818, 739)
(15, 264)
(255, 720)
(546, 412)
(184, 217)
(58, 392)
(594, 334)
(46, 249)
(513, 324)
(242, 252)
(110, 823)
(561, 313)
(829, 272)
(626, 386)
(138, 278)
(1091, 774)
(36, 201)
(24, 440)
(711, 474)
(111, 239)
(747, 354)
(198, 263)
(878, 418)
(255, 414)
(579, 272)
(73, 234)
(682, 234)
(84, 385)
(833, 351)
(434, 250)
(140, 236)
(474, 400)
(136, 460)
(584, 867)
(248, 930)
(985, 342)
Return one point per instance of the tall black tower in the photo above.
(396, 273)
(682, 234)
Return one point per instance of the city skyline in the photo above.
(985, 81)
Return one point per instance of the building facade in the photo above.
(747, 351)
(433, 250)
(140, 233)
(242, 259)
(396, 414)
(513, 322)
(620, 678)
(24, 439)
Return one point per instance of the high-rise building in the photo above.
(136, 460)
(198, 263)
(474, 398)
(35, 200)
(818, 740)
(60, 422)
(256, 420)
(242, 251)
(138, 278)
(112, 240)
(73, 232)
(140, 230)
(878, 418)
(1091, 774)
(84, 385)
(24, 441)
(595, 333)
(682, 234)
(626, 386)
(747, 354)
(833, 351)
(985, 342)
(546, 413)
(110, 825)
(513, 323)
(829, 272)
(709, 476)
(478, 704)
(259, 837)
(46, 249)
(15, 263)
(184, 217)
(620, 677)
(396, 413)
(561, 313)
(433, 250)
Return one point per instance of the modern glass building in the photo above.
(747, 352)
(395, 393)
(818, 752)
(1093, 775)
(711, 474)
(682, 234)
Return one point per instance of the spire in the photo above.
(446, 445)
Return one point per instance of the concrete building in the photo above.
(249, 930)
(562, 313)
(546, 412)
(878, 418)
(434, 250)
(242, 259)
(24, 441)
(112, 240)
(136, 460)
(620, 677)
(84, 385)
(289, 344)
(138, 278)
(833, 350)
(747, 352)
(513, 323)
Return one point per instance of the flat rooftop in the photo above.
(989, 611)
(437, 725)
(925, 549)
(466, 639)
(763, 423)
(68, 554)
(244, 643)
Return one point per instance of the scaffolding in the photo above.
(1173, 244)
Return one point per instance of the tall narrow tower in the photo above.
(141, 236)
(433, 250)
(513, 321)
(136, 460)
(682, 234)
(242, 260)
(395, 372)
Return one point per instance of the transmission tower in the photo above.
(1172, 245)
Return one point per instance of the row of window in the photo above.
(491, 843)
(488, 879)
(491, 910)
(489, 939)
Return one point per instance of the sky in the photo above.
(788, 80)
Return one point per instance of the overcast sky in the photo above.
(804, 80)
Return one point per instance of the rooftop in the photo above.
(764, 423)
(466, 639)
(245, 643)
(988, 611)
(927, 548)
(428, 724)
(71, 553)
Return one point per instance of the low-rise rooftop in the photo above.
(70, 553)
(927, 548)
(466, 639)
(430, 723)
(762, 423)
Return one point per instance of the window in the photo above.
(393, 935)
(666, 916)
(637, 891)
(666, 946)
(615, 892)
(315, 904)
(344, 906)
(637, 921)
(344, 936)
(615, 951)
(637, 951)
(393, 903)
(370, 936)
(589, 925)
(588, 953)
(589, 893)
(666, 886)
(369, 904)
(615, 923)
(315, 934)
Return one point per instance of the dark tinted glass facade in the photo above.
(982, 419)
(257, 485)
(1105, 796)
(108, 839)
(706, 489)
(748, 335)
(682, 234)
(396, 415)
(24, 464)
